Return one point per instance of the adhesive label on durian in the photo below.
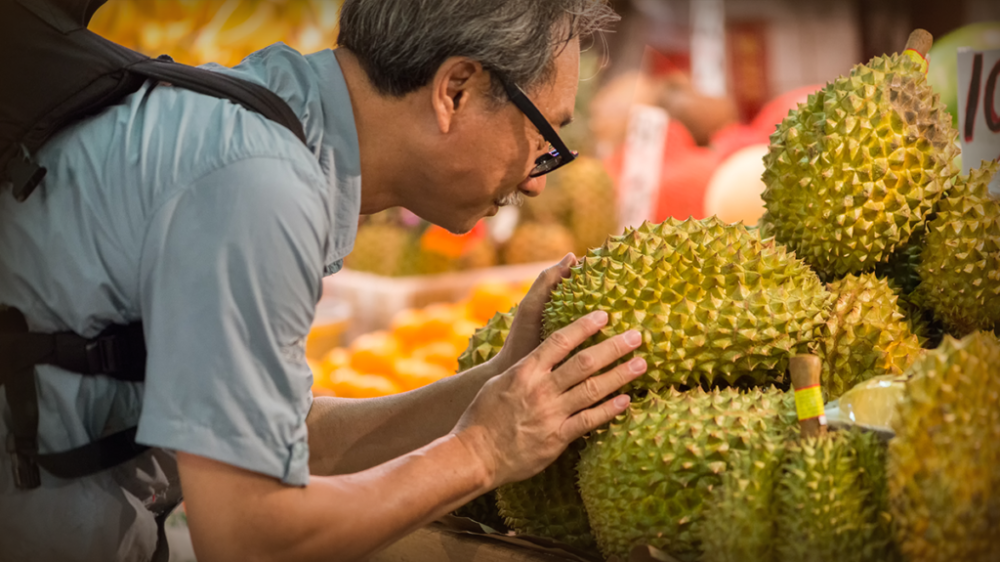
(917, 58)
(809, 402)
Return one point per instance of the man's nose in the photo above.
(532, 187)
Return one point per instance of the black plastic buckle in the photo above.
(102, 355)
(24, 466)
(24, 174)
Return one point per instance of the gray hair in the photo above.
(402, 43)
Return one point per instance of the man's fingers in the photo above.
(541, 290)
(596, 388)
(560, 344)
(595, 358)
(593, 418)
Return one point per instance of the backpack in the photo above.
(55, 73)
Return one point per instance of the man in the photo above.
(214, 227)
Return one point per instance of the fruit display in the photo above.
(420, 347)
(871, 249)
(856, 170)
(220, 31)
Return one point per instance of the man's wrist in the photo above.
(480, 452)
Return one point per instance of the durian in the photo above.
(380, 248)
(825, 511)
(549, 504)
(866, 335)
(538, 242)
(484, 510)
(960, 264)
(852, 173)
(944, 463)
(740, 523)
(649, 476)
(487, 341)
(713, 301)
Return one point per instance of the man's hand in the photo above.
(523, 419)
(526, 333)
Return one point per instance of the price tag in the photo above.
(979, 109)
(640, 181)
(809, 403)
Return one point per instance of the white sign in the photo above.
(979, 109)
(640, 181)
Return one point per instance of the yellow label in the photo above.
(809, 402)
(917, 58)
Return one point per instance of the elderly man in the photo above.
(214, 227)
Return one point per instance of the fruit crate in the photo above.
(375, 299)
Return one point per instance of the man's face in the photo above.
(493, 149)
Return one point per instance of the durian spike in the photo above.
(806, 371)
(920, 40)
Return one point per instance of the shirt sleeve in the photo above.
(230, 274)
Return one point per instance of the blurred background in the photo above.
(674, 112)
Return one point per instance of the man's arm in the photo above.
(348, 435)
(518, 423)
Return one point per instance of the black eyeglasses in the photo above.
(560, 155)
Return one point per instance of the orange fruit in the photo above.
(374, 353)
(442, 353)
(490, 297)
(414, 373)
(336, 358)
(439, 320)
(408, 327)
(348, 383)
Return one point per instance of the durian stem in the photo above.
(920, 40)
(806, 371)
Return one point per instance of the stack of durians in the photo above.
(872, 249)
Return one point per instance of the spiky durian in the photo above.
(484, 510)
(740, 523)
(944, 463)
(549, 504)
(960, 264)
(855, 171)
(648, 477)
(826, 513)
(713, 301)
(487, 341)
(865, 336)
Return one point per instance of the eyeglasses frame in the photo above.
(561, 154)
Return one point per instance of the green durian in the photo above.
(713, 301)
(960, 264)
(852, 173)
(484, 510)
(944, 463)
(380, 248)
(487, 341)
(825, 511)
(740, 523)
(549, 503)
(649, 476)
(866, 335)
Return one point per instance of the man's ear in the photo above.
(452, 87)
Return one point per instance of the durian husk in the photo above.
(714, 302)
(549, 503)
(960, 263)
(826, 511)
(380, 248)
(649, 476)
(944, 463)
(852, 173)
(538, 242)
(866, 335)
(740, 524)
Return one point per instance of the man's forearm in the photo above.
(350, 435)
(239, 515)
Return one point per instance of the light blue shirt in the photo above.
(213, 226)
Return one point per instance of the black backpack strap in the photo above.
(118, 352)
(248, 94)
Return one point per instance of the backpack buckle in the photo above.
(24, 174)
(103, 356)
(23, 465)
